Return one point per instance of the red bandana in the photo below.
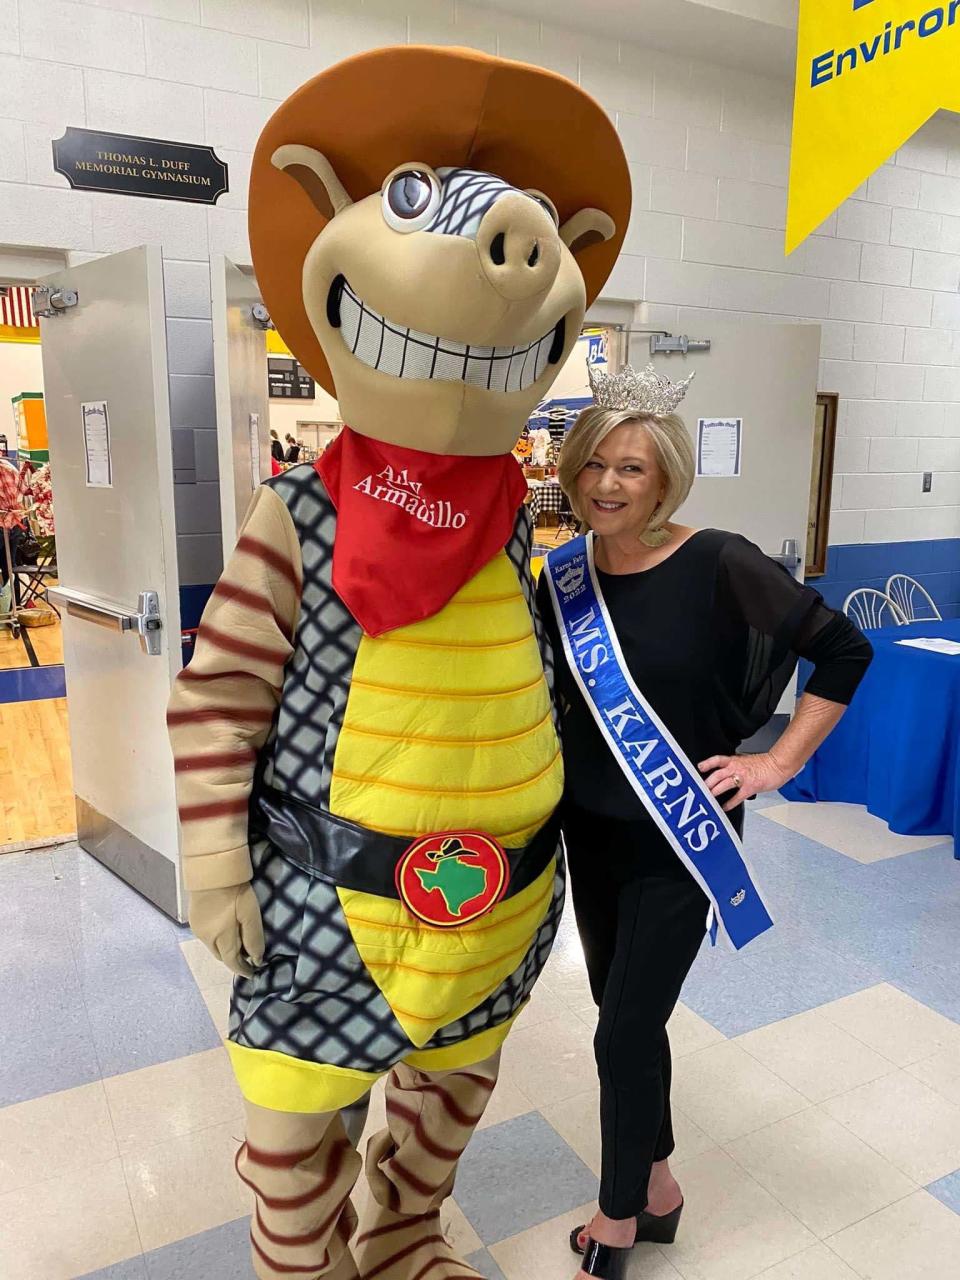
(413, 527)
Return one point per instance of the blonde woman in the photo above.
(678, 644)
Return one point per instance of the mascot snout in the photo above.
(519, 247)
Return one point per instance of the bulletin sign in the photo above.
(132, 166)
(289, 380)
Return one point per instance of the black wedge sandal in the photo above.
(651, 1229)
(604, 1261)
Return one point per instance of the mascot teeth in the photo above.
(406, 353)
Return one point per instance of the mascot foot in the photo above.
(294, 1263)
(345, 1269)
(396, 1246)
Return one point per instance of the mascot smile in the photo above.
(367, 758)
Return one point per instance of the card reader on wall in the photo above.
(667, 344)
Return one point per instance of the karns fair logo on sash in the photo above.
(394, 486)
(571, 581)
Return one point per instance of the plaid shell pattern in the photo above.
(313, 998)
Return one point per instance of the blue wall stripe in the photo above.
(934, 563)
(31, 684)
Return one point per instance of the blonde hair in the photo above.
(671, 442)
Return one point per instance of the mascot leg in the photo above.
(411, 1165)
(301, 1169)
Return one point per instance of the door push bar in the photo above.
(146, 621)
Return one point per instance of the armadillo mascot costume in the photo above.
(367, 760)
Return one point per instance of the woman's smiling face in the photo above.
(622, 484)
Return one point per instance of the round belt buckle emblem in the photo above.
(452, 877)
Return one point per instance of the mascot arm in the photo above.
(219, 717)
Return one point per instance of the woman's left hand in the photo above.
(746, 776)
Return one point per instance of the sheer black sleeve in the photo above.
(773, 620)
(761, 612)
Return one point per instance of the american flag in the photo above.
(15, 308)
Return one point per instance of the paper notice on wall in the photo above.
(254, 450)
(96, 444)
(719, 443)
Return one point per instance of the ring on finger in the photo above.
(737, 781)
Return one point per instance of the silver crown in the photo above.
(645, 392)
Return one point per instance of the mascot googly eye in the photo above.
(411, 198)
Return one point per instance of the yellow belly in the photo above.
(448, 727)
(448, 722)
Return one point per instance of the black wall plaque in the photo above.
(131, 166)
(288, 380)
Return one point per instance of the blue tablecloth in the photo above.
(897, 749)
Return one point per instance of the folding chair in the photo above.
(872, 609)
(914, 601)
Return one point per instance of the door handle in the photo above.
(145, 620)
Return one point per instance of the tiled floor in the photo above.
(817, 1083)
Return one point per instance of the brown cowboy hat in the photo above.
(442, 106)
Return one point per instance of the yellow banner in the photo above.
(869, 74)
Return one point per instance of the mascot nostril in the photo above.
(368, 763)
(498, 252)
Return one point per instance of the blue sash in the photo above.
(670, 787)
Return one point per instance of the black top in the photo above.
(293, 453)
(276, 450)
(711, 636)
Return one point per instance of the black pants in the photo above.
(642, 918)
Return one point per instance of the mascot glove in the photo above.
(227, 921)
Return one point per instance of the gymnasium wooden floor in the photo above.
(36, 781)
(550, 536)
(47, 643)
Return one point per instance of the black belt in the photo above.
(354, 857)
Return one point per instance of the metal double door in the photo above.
(106, 393)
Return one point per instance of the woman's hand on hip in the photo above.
(745, 776)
